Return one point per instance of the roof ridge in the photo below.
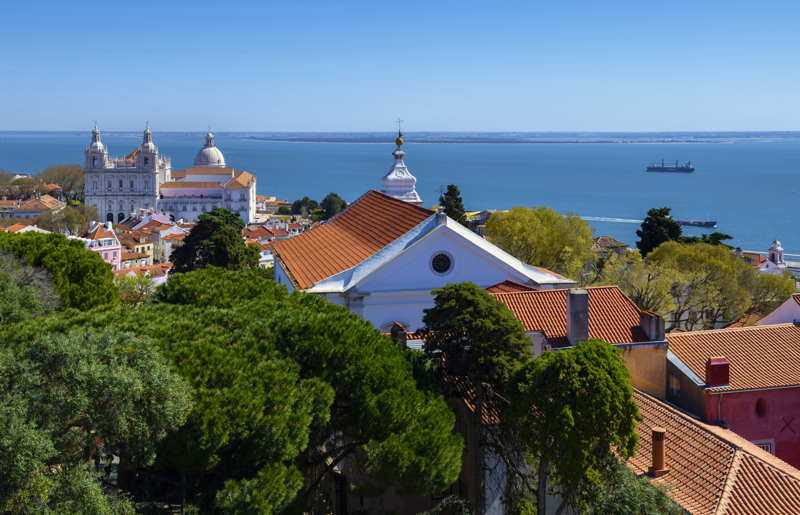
(403, 202)
(730, 482)
(603, 287)
(732, 329)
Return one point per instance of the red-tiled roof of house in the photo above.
(764, 356)
(9, 203)
(276, 232)
(613, 317)
(242, 180)
(509, 286)
(713, 471)
(51, 202)
(127, 256)
(156, 270)
(16, 227)
(362, 229)
(174, 236)
(98, 233)
(52, 187)
(255, 232)
(33, 205)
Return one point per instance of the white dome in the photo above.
(96, 145)
(399, 182)
(210, 156)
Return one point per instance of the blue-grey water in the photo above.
(747, 182)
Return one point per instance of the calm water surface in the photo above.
(748, 184)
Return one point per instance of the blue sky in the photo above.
(356, 66)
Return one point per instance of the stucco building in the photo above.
(144, 179)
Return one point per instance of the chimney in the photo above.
(718, 371)
(653, 325)
(577, 315)
(658, 467)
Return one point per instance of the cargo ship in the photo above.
(678, 168)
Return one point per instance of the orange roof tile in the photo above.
(9, 203)
(713, 470)
(764, 356)
(362, 229)
(191, 184)
(16, 227)
(241, 181)
(175, 236)
(613, 317)
(98, 233)
(156, 270)
(133, 255)
(508, 286)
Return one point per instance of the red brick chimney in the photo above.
(658, 467)
(718, 371)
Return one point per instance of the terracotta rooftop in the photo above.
(764, 356)
(508, 286)
(174, 236)
(156, 270)
(613, 317)
(256, 232)
(98, 233)
(199, 170)
(713, 470)
(9, 203)
(15, 227)
(191, 184)
(362, 229)
(132, 255)
(241, 181)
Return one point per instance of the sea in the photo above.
(748, 182)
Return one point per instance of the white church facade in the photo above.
(383, 255)
(144, 179)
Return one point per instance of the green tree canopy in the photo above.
(284, 386)
(69, 177)
(453, 206)
(625, 493)
(331, 205)
(657, 228)
(304, 206)
(540, 236)
(25, 292)
(81, 278)
(649, 285)
(74, 397)
(71, 219)
(216, 240)
(574, 410)
(479, 335)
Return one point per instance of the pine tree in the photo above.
(453, 205)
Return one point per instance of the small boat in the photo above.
(698, 223)
(678, 168)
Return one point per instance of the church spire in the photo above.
(399, 182)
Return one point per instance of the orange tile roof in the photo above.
(16, 227)
(175, 236)
(763, 356)
(51, 202)
(613, 317)
(256, 232)
(9, 203)
(156, 270)
(191, 184)
(33, 204)
(132, 255)
(713, 471)
(241, 181)
(362, 229)
(98, 233)
(509, 286)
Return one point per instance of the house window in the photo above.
(108, 185)
(761, 408)
(120, 185)
(94, 185)
(442, 263)
(767, 445)
(146, 160)
(131, 184)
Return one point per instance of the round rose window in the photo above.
(441, 263)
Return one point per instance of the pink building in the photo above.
(745, 379)
(102, 239)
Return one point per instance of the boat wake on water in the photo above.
(608, 219)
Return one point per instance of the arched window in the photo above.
(120, 185)
(761, 407)
(120, 217)
(110, 217)
(108, 185)
(146, 159)
(131, 184)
